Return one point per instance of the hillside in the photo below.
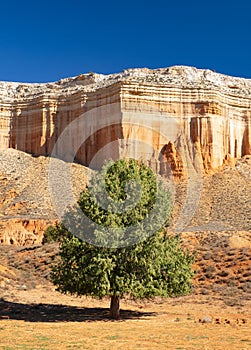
(190, 126)
(222, 201)
(25, 202)
(219, 229)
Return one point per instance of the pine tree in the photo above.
(127, 250)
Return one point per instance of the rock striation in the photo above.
(173, 118)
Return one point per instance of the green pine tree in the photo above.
(122, 248)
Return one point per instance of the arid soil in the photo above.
(43, 319)
(216, 315)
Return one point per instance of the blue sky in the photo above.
(47, 40)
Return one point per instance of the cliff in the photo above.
(184, 122)
(173, 118)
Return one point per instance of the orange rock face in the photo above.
(173, 118)
(23, 231)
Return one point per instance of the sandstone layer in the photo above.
(174, 118)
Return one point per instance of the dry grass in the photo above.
(161, 333)
(170, 324)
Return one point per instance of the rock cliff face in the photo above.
(172, 118)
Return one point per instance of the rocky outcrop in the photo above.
(173, 118)
(23, 231)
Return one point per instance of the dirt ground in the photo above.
(216, 315)
(42, 318)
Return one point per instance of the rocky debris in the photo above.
(225, 321)
(223, 201)
(206, 319)
(26, 208)
(222, 267)
(243, 166)
(181, 76)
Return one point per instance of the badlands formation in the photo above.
(174, 118)
(194, 124)
(188, 122)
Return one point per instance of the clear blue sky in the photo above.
(48, 40)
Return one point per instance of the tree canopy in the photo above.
(127, 250)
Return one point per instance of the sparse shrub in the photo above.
(223, 273)
(55, 234)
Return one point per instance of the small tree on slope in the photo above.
(140, 259)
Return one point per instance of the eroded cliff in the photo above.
(173, 118)
(182, 121)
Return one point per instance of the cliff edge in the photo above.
(174, 118)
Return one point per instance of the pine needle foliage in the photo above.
(156, 265)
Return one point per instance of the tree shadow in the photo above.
(62, 313)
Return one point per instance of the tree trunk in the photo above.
(114, 307)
